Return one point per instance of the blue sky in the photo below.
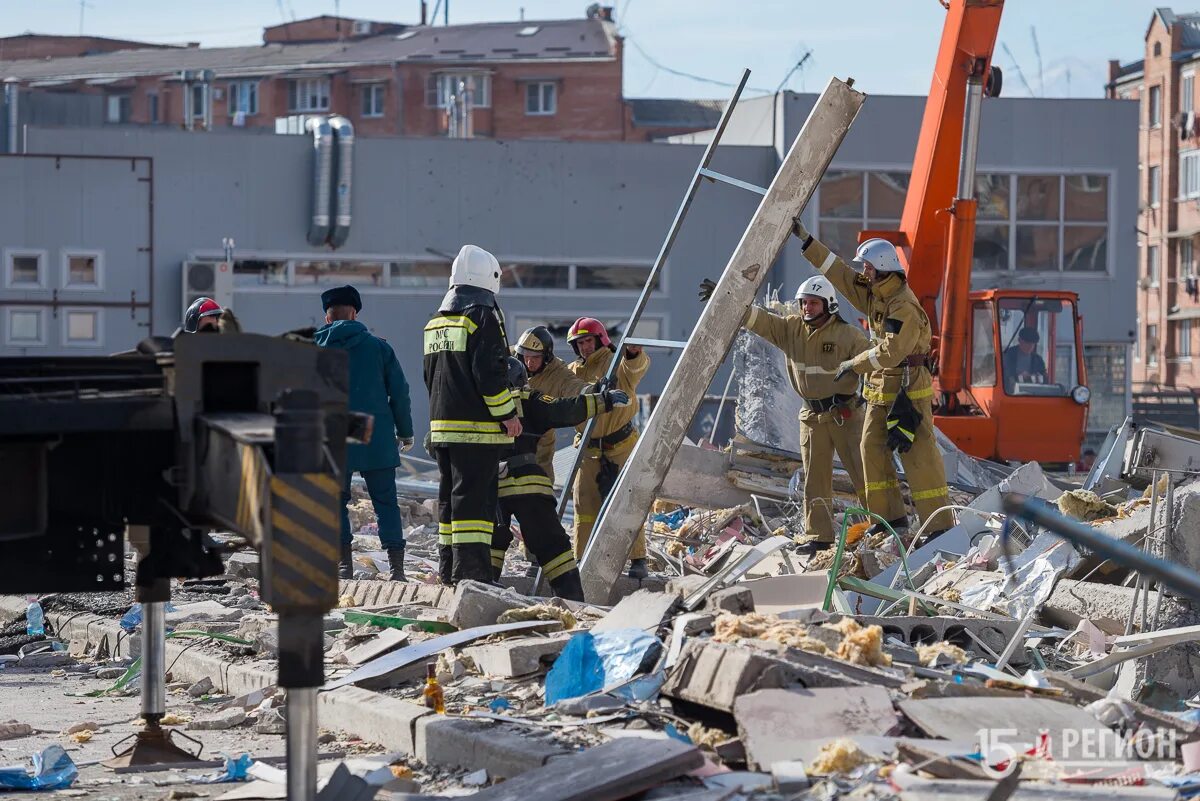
(888, 46)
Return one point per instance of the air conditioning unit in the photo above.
(207, 279)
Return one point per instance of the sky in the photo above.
(693, 48)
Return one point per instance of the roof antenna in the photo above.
(1038, 52)
(1017, 67)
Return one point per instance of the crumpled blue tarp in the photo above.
(52, 770)
(591, 662)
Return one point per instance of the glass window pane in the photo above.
(1087, 198)
(983, 346)
(991, 248)
(535, 276)
(81, 326)
(841, 237)
(26, 269)
(885, 193)
(842, 195)
(259, 273)
(1037, 247)
(1085, 248)
(548, 98)
(420, 273)
(531, 98)
(1037, 197)
(82, 270)
(992, 192)
(1105, 366)
(336, 273)
(1039, 346)
(24, 326)
(629, 278)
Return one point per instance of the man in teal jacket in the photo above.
(377, 387)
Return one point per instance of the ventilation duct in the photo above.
(343, 137)
(322, 180)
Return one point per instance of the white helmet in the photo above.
(474, 266)
(881, 254)
(819, 287)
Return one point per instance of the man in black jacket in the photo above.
(1022, 363)
(527, 493)
(471, 410)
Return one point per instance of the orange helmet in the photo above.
(588, 327)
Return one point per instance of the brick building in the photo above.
(39, 45)
(556, 79)
(1168, 224)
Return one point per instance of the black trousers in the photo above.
(466, 510)
(545, 539)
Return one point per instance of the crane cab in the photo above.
(1026, 377)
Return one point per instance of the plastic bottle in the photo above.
(435, 699)
(35, 620)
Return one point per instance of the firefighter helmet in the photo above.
(588, 327)
(536, 341)
(820, 288)
(518, 376)
(200, 308)
(880, 254)
(474, 266)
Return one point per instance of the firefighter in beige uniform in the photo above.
(894, 367)
(613, 436)
(549, 375)
(815, 343)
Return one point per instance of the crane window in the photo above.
(1038, 341)
(983, 346)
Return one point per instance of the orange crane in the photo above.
(999, 394)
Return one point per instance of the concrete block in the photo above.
(226, 719)
(478, 604)
(924, 630)
(387, 640)
(203, 611)
(716, 674)
(374, 717)
(737, 599)
(243, 564)
(685, 585)
(46, 659)
(1182, 545)
(501, 750)
(644, 609)
(520, 656)
(1106, 605)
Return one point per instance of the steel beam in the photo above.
(797, 179)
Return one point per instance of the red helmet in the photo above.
(588, 327)
(201, 307)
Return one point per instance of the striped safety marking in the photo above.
(305, 530)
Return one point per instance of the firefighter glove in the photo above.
(614, 399)
(607, 475)
(843, 370)
(902, 422)
(405, 443)
(799, 230)
(707, 287)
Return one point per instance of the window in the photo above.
(535, 276)
(82, 269)
(308, 94)
(152, 107)
(1158, 48)
(852, 200)
(372, 99)
(24, 270)
(336, 273)
(441, 86)
(116, 108)
(1037, 337)
(249, 272)
(1187, 262)
(629, 278)
(541, 98)
(199, 101)
(1155, 106)
(25, 327)
(81, 327)
(1187, 90)
(1184, 343)
(1152, 264)
(1152, 344)
(1106, 377)
(1189, 174)
(1154, 187)
(420, 273)
(243, 97)
(983, 346)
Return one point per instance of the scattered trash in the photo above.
(12, 730)
(52, 769)
(592, 662)
(35, 620)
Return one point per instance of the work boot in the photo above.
(568, 586)
(638, 569)
(396, 560)
(899, 525)
(346, 563)
(814, 546)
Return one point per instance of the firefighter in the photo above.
(898, 385)
(815, 343)
(549, 375)
(377, 387)
(525, 490)
(612, 438)
(471, 410)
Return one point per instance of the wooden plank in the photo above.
(609, 772)
(770, 228)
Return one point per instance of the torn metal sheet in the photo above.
(735, 570)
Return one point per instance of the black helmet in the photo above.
(200, 308)
(537, 341)
(518, 376)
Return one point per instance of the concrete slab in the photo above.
(643, 610)
(520, 656)
(203, 611)
(770, 721)
(387, 640)
(1106, 605)
(778, 595)
(478, 604)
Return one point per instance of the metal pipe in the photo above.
(154, 660)
(302, 743)
(12, 99)
(721, 405)
(1179, 578)
(1170, 508)
(321, 187)
(970, 138)
(1141, 586)
(343, 175)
